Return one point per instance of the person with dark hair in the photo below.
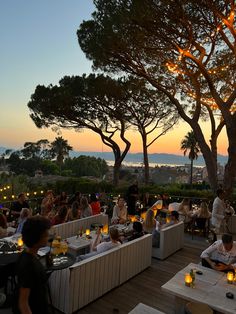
(18, 205)
(221, 255)
(95, 204)
(3, 225)
(137, 231)
(218, 211)
(132, 197)
(61, 216)
(31, 276)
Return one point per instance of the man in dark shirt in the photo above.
(18, 205)
(132, 197)
(31, 275)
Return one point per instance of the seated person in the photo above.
(24, 215)
(18, 205)
(85, 208)
(174, 219)
(229, 210)
(101, 247)
(61, 216)
(119, 212)
(202, 211)
(221, 255)
(137, 231)
(95, 204)
(150, 223)
(3, 225)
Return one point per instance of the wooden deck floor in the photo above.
(146, 287)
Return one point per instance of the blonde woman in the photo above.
(149, 223)
(203, 211)
(86, 209)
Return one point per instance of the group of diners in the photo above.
(58, 209)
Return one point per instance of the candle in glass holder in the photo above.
(132, 218)
(87, 232)
(20, 243)
(230, 277)
(105, 229)
(188, 280)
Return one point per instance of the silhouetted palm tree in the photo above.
(189, 143)
(60, 149)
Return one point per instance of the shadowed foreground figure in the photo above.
(31, 296)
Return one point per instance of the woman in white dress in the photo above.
(119, 212)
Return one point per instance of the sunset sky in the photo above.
(39, 46)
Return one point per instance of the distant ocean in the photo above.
(151, 164)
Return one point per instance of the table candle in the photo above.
(20, 243)
(87, 232)
(188, 280)
(105, 229)
(230, 277)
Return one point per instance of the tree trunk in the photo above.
(116, 172)
(230, 167)
(145, 158)
(210, 156)
(191, 173)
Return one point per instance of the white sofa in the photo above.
(71, 228)
(85, 281)
(171, 240)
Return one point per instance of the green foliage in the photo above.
(86, 166)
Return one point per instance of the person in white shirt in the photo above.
(221, 255)
(218, 211)
(105, 246)
(119, 212)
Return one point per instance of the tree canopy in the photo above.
(184, 49)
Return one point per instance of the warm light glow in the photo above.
(105, 229)
(230, 277)
(188, 280)
(35, 193)
(13, 196)
(143, 215)
(168, 219)
(4, 197)
(41, 192)
(20, 242)
(27, 194)
(8, 186)
(87, 232)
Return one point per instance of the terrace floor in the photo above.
(146, 287)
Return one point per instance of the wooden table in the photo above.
(210, 288)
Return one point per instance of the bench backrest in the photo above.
(71, 228)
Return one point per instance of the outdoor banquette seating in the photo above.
(71, 228)
(171, 240)
(87, 280)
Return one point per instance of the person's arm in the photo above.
(97, 240)
(24, 301)
(206, 254)
(115, 218)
